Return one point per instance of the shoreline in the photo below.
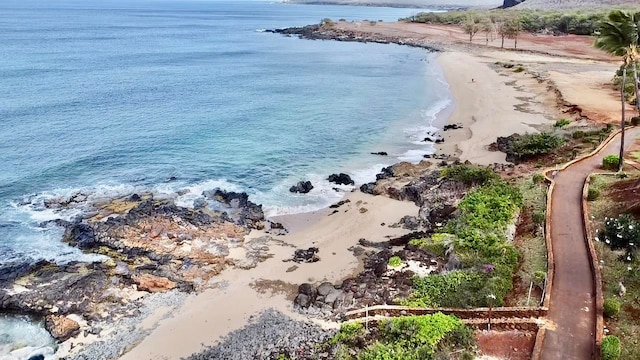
(498, 102)
(333, 234)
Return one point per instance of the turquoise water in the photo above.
(114, 97)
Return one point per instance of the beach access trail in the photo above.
(572, 311)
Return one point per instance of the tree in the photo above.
(487, 28)
(619, 36)
(471, 26)
(514, 26)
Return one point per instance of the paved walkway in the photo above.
(572, 307)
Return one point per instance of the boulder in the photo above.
(301, 187)
(302, 301)
(309, 290)
(341, 179)
(152, 283)
(333, 296)
(80, 235)
(368, 188)
(325, 288)
(61, 327)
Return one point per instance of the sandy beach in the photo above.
(490, 101)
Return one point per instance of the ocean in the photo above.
(112, 97)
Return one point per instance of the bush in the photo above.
(593, 194)
(418, 337)
(611, 162)
(621, 233)
(469, 174)
(635, 121)
(530, 145)
(578, 134)
(538, 217)
(610, 349)
(395, 261)
(561, 123)
(537, 178)
(611, 307)
(519, 69)
(348, 333)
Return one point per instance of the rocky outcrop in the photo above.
(61, 327)
(152, 283)
(301, 187)
(146, 245)
(510, 3)
(341, 179)
(325, 32)
(243, 211)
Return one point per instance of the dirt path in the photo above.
(572, 308)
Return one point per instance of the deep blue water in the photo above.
(111, 97)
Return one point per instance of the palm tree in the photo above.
(619, 37)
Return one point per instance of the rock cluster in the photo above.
(376, 284)
(147, 245)
(341, 179)
(301, 187)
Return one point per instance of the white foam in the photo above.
(21, 339)
(194, 191)
(415, 156)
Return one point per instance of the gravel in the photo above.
(128, 331)
(267, 336)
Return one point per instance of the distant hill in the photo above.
(430, 4)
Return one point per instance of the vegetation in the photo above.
(611, 307)
(395, 261)
(610, 349)
(530, 145)
(562, 123)
(618, 270)
(478, 235)
(619, 36)
(404, 338)
(610, 162)
(593, 194)
(469, 174)
(580, 22)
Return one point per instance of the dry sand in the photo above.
(498, 102)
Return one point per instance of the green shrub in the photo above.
(539, 277)
(635, 121)
(561, 123)
(348, 333)
(519, 69)
(478, 235)
(419, 338)
(395, 261)
(538, 217)
(578, 134)
(610, 349)
(621, 233)
(593, 194)
(537, 178)
(469, 174)
(611, 307)
(530, 145)
(610, 162)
